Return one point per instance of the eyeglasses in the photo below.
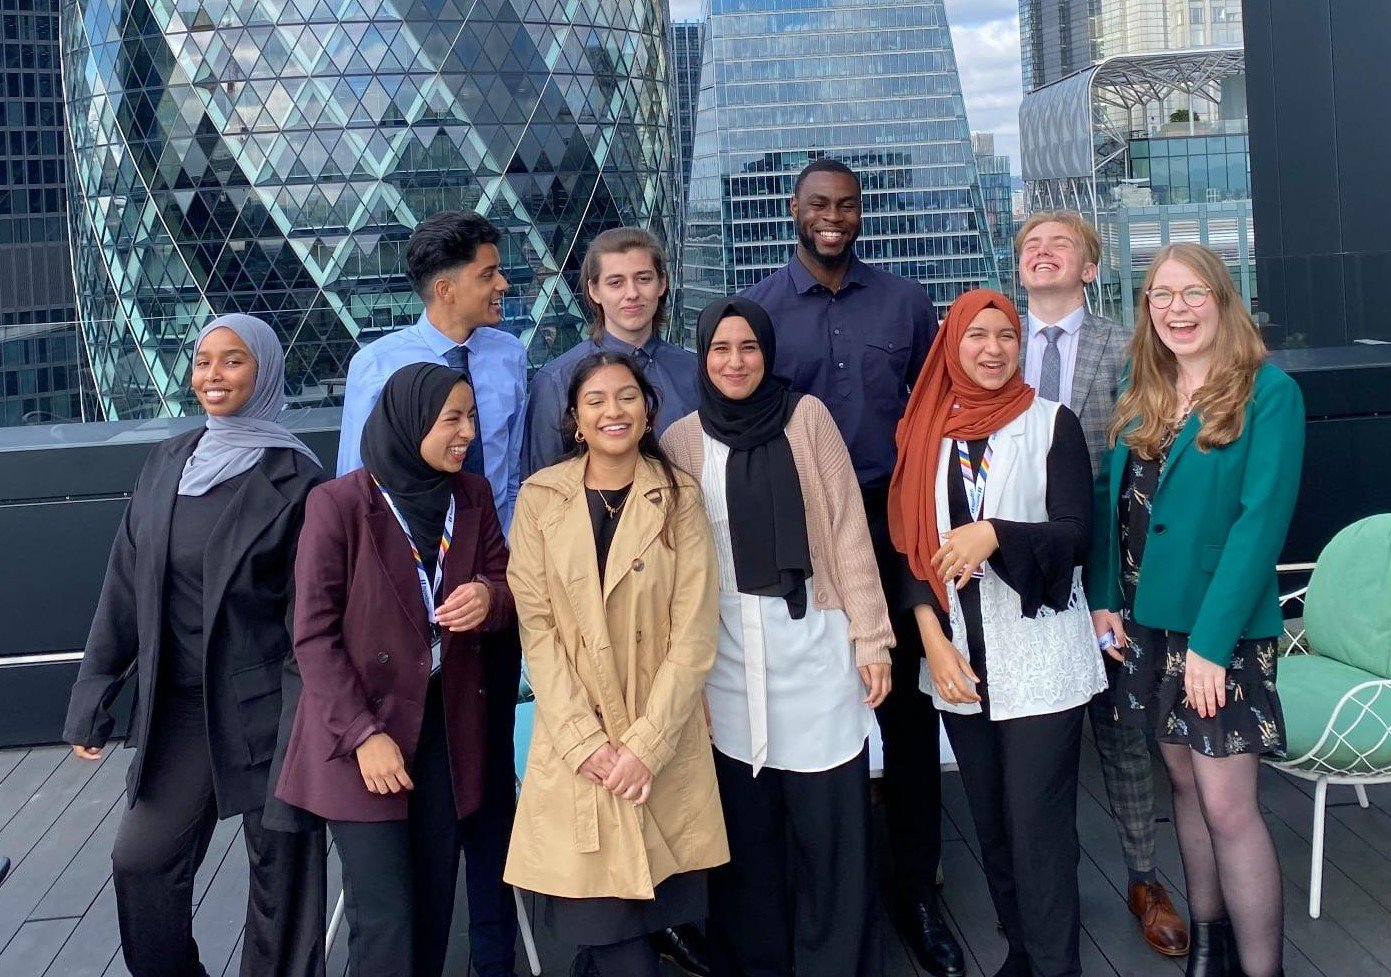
(1193, 296)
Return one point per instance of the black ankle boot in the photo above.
(1208, 949)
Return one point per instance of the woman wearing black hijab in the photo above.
(401, 565)
(803, 658)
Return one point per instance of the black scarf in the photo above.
(767, 515)
(409, 405)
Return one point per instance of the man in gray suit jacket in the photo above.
(1075, 357)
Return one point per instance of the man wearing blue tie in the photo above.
(453, 263)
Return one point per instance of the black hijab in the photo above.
(409, 405)
(767, 515)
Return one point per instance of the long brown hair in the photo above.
(1146, 409)
(648, 446)
(617, 240)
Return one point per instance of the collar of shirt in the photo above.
(610, 343)
(804, 281)
(1070, 323)
(438, 342)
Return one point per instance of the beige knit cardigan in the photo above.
(844, 572)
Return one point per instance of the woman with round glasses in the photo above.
(1194, 500)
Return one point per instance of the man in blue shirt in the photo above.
(625, 284)
(855, 337)
(453, 263)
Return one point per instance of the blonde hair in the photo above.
(1073, 221)
(1145, 411)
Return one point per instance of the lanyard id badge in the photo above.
(974, 484)
(429, 589)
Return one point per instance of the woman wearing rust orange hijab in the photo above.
(991, 503)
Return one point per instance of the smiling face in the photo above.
(445, 445)
(469, 295)
(224, 373)
(1051, 259)
(990, 349)
(1188, 332)
(611, 412)
(826, 211)
(628, 290)
(735, 360)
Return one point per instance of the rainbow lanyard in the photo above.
(428, 588)
(972, 482)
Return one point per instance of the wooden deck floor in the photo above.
(58, 816)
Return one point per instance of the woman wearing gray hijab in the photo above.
(195, 605)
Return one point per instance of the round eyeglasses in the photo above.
(1193, 296)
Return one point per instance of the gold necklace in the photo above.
(612, 510)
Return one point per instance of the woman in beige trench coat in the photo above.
(614, 575)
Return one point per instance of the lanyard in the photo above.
(428, 588)
(974, 483)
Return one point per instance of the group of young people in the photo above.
(721, 568)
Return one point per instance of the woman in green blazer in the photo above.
(1193, 503)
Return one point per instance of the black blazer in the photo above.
(247, 586)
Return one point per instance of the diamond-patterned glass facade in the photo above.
(272, 157)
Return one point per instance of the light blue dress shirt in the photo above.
(497, 361)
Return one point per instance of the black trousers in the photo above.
(908, 723)
(399, 876)
(487, 832)
(1020, 777)
(161, 843)
(798, 891)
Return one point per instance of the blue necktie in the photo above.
(1050, 378)
(457, 358)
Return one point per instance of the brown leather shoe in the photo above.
(1160, 922)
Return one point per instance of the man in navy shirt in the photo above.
(453, 263)
(624, 281)
(855, 337)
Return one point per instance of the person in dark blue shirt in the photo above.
(855, 337)
(625, 284)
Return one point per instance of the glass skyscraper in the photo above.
(871, 83)
(41, 371)
(687, 38)
(272, 157)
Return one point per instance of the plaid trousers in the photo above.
(1129, 777)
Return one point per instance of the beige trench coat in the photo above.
(625, 664)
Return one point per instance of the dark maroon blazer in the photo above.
(362, 640)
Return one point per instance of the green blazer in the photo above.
(1217, 525)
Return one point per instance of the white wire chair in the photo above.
(1358, 729)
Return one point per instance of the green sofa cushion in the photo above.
(1348, 608)
(1311, 687)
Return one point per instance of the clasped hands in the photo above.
(620, 772)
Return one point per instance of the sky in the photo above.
(985, 34)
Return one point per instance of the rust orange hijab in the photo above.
(946, 403)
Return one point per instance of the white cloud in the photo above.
(985, 34)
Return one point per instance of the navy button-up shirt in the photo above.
(858, 351)
(671, 369)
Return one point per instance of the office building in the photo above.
(273, 157)
(687, 38)
(40, 359)
(873, 84)
(997, 193)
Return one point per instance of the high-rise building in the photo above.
(1057, 37)
(687, 38)
(997, 194)
(871, 83)
(40, 359)
(272, 157)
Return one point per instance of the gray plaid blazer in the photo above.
(1102, 349)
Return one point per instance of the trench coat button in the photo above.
(383, 658)
(639, 634)
(821, 596)
(639, 565)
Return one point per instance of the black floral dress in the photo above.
(1148, 688)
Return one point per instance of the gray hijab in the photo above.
(234, 444)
